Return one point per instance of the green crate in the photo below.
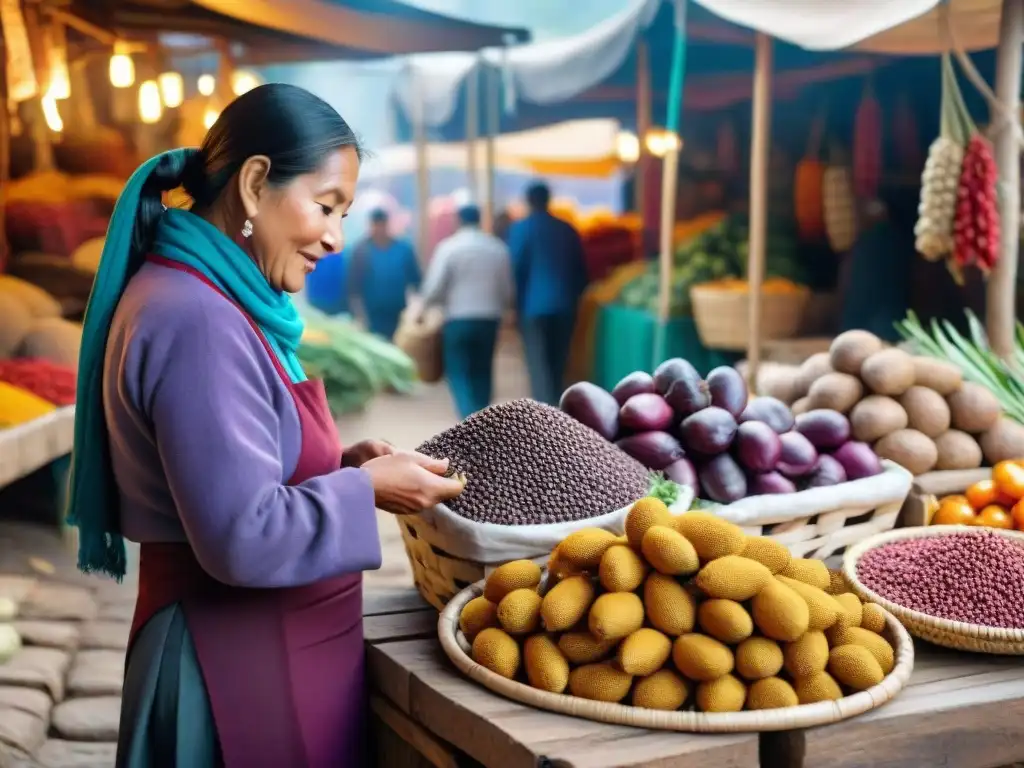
(624, 343)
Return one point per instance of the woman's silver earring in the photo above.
(247, 229)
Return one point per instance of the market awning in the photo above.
(886, 26)
(291, 30)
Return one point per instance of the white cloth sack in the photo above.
(890, 487)
(492, 544)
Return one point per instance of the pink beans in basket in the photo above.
(976, 578)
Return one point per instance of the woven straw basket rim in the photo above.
(955, 634)
(803, 716)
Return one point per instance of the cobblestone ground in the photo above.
(60, 694)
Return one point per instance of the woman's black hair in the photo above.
(293, 128)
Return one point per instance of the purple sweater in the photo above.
(204, 436)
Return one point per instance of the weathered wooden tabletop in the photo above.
(959, 711)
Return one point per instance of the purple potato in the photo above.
(799, 457)
(858, 460)
(765, 483)
(637, 383)
(655, 450)
(646, 412)
(682, 387)
(592, 406)
(825, 429)
(771, 411)
(670, 371)
(722, 479)
(728, 389)
(757, 446)
(829, 472)
(682, 472)
(709, 431)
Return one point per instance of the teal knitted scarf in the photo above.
(93, 504)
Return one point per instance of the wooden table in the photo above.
(959, 711)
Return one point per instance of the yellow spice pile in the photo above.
(680, 611)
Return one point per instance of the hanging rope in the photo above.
(1006, 118)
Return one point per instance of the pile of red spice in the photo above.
(52, 382)
(975, 577)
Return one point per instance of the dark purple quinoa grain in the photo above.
(529, 463)
(975, 577)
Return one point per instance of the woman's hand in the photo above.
(363, 451)
(406, 483)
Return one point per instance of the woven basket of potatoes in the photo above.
(916, 411)
(684, 623)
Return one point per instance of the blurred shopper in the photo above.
(550, 276)
(382, 271)
(470, 279)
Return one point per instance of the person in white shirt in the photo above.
(470, 280)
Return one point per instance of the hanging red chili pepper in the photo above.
(976, 227)
(867, 146)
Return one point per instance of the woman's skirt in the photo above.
(166, 720)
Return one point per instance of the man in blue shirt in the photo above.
(550, 276)
(381, 272)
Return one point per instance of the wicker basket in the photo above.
(951, 634)
(804, 716)
(722, 315)
(448, 553)
(821, 522)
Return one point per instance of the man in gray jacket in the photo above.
(470, 279)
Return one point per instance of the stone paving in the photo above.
(60, 694)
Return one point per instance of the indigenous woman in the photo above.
(198, 436)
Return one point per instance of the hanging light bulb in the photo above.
(210, 117)
(60, 78)
(52, 114)
(243, 81)
(150, 106)
(172, 89)
(122, 68)
(627, 147)
(659, 142)
(207, 84)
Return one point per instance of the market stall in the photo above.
(768, 590)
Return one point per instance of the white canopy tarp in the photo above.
(552, 71)
(884, 26)
(542, 73)
(572, 141)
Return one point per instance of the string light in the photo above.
(210, 117)
(150, 105)
(207, 84)
(122, 68)
(243, 81)
(172, 89)
(52, 114)
(659, 142)
(627, 147)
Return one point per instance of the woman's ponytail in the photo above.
(169, 173)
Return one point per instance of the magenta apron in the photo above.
(283, 668)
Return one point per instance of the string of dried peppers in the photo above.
(958, 217)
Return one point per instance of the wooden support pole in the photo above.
(1001, 291)
(422, 169)
(760, 146)
(643, 125)
(473, 132)
(490, 211)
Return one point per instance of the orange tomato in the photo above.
(985, 492)
(1009, 479)
(1018, 515)
(954, 510)
(994, 516)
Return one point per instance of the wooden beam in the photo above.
(1001, 291)
(760, 147)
